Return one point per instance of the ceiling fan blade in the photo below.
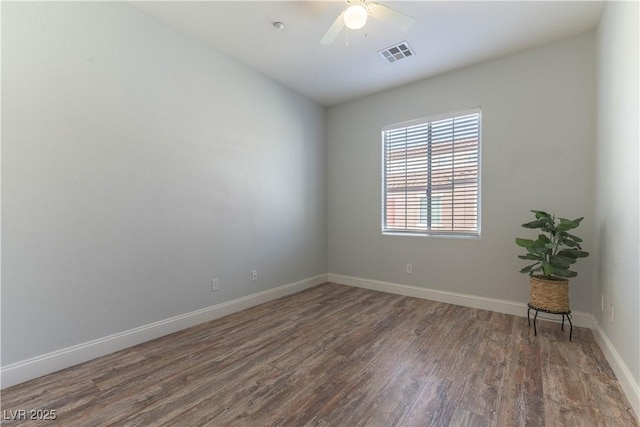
(333, 30)
(398, 19)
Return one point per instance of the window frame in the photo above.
(433, 232)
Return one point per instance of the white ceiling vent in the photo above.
(397, 52)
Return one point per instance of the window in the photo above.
(431, 175)
(435, 210)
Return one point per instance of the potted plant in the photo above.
(553, 252)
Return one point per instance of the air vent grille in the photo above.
(397, 52)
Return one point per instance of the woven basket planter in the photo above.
(550, 295)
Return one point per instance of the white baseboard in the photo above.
(473, 301)
(25, 370)
(629, 385)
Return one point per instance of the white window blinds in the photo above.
(431, 175)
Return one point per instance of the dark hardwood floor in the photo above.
(341, 356)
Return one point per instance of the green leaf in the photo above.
(574, 238)
(564, 240)
(543, 238)
(565, 273)
(536, 224)
(560, 262)
(526, 269)
(581, 254)
(532, 256)
(569, 253)
(563, 227)
(563, 259)
(541, 214)
(573, 253)
(531, 268)
(547, 268)
(525, 243)
(566, 224)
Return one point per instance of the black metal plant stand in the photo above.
(537, 310)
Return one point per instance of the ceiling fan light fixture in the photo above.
(355, 17)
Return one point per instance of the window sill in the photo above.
(440, 235)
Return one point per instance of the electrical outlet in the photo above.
(254, 275)
(601, 302)
(409, 268)
(612, 311)
(215, 285)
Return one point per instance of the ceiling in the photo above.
(446, 35)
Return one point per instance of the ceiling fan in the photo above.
(355, 16)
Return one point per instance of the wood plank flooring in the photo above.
(340, 356)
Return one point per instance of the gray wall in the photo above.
(136, 166)
(617, 235)
(537, 153)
